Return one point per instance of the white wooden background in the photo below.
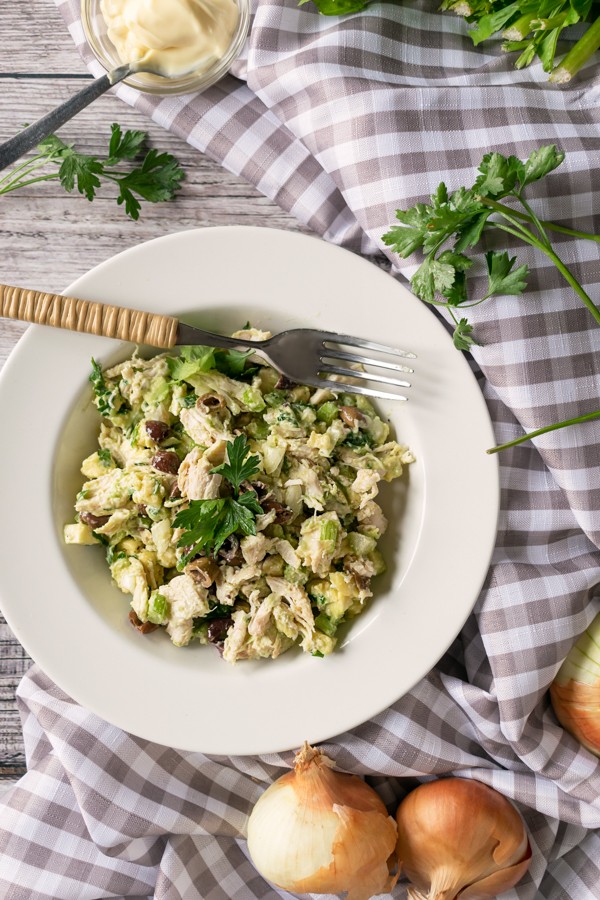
(48, 238)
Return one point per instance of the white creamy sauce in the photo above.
(175, 36)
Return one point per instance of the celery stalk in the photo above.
(578, 55)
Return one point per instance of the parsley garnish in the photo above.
(108, 399)
(208, 523)
(105, 458)
(462, 218)
(239, 466)
(102, 393)
(140, 174)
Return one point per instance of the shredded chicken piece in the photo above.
(255, 547)
(188, 600)
(230, 579)
(371, 515)
(299, 602)
(195, 480)
(366, 484)
(233, 648)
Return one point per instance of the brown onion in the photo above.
(460, 838)
(575, 691)
(322, 831)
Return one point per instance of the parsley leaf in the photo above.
(239, 466)
(498, 175)
(464, 216)
(501, 277)
(539, 164)
(232, 362)
(125, 145)
(76, 168)
(462, 335)
(434, 275)
(156, 179)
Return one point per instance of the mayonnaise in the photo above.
(175, 36)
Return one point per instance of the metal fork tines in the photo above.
(331, 356)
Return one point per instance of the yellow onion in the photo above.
(575, 692)
(460, 838)
(315, 830)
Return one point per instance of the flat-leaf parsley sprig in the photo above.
(455, 223)
(463, 217)
(208, 523)
(138, 172)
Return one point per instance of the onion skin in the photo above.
(575, 691)
(315, 830)
(460, 839)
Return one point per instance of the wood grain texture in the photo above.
(35, 40)
(49, 238)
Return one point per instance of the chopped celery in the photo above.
(329, 531)
(327, 412)
(326, 625)
(158, 609)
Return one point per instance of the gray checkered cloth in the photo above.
(341, 121)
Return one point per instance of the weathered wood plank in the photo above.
(36, 40)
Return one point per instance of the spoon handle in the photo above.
(87, 316)
(30, 137)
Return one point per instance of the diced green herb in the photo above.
(105, 458)
(112, 555)
(358, 440)
(102, 394)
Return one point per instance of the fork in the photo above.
(302, 355)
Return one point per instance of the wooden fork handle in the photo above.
(88, 316)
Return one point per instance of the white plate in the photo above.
(59, 599)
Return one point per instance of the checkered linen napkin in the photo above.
(341, 121)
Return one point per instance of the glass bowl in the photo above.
(105, 52)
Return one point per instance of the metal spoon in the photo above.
(31, 136)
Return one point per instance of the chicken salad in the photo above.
(235, 507)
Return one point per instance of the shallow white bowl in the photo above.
(59, 600)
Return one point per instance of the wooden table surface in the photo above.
(49, 238)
